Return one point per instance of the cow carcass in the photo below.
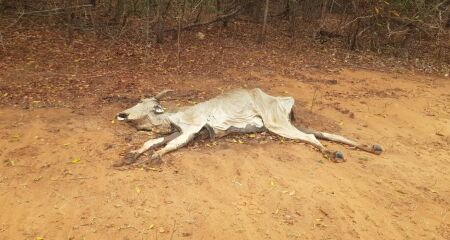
(237, 111)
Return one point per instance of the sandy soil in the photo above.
(56, 179)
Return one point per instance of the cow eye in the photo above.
(158, 109)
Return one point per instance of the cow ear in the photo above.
(158, 109)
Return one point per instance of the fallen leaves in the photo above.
(400, 191)
(36, 179)
(76, 160)
(213, 144)
(9, 163)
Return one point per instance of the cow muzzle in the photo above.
(122, 116)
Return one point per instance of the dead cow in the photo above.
(238, 111)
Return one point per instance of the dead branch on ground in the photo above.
(220, 18)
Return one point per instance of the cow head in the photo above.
(148, 114)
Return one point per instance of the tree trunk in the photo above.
(147, 22)
(69, 16)
(199, 13)
(120, 7)
(219, 6)
(291, 12)
(262, 36)
(158, 28)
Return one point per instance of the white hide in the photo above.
(239, 108)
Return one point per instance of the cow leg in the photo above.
(156, 142)
(287, 130)
(176, 143)
(150, 144)
(375, 149)
(334, 156)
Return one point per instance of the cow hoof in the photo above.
(338, 157)
(129, 158)
(377, 149)
(156, 158)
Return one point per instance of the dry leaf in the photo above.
(76, 160)
(200, 35)
(395, 13)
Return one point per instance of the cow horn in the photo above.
(162, 94)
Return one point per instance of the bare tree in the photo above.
(262, 35)
(118, 14)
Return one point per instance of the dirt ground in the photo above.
(59, 139)
(57, 182)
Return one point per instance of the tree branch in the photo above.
(57, 9)
(220, 18)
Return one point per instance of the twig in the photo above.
(411, 22)
(1, 42)
(199, 13)
(127, 227)
(173, 229)
(196, 6)
(356, 19)
(314, 98)
(178, 41)
(57, 9)
(220, 18)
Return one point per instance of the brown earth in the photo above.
(255, 190)
(58, 141)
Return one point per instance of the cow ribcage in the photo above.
(242, 124)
